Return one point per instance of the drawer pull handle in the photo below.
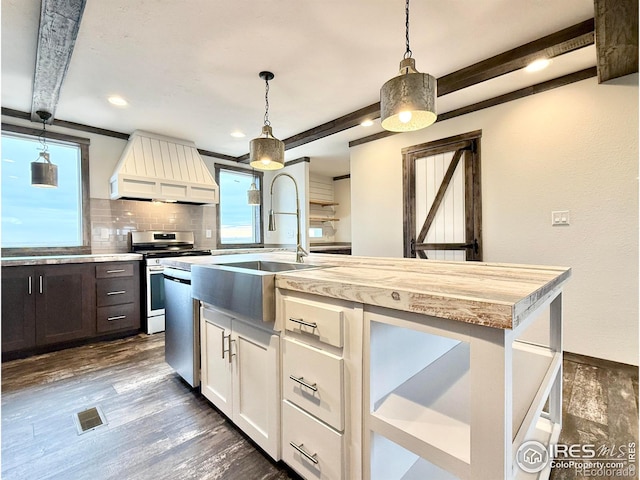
(119, 292)
(301, 381)
(29, 284)
(302, 322)
(117, 317)
(304, 452)
(116, 271)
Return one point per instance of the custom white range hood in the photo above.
(155, 167)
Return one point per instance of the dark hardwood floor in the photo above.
(599, 407)
(158, 428)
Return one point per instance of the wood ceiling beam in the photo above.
(59, 25)
(564, 41)
(616, 38)
(558, 43)
(492, 102)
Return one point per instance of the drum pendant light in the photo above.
(266, 152)
(45, 173)
(408, 101)
(253, 194)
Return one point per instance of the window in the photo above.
(239, 224)
(44, 220)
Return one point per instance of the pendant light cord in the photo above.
(42, 136)
(407, 53)
(266, 102)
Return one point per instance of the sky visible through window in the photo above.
(40, 217)
(237, 218)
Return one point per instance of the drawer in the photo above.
(115, 291)
(110, 270)
(322, 372)
(318, 320)
(118, 317)
(322, 444)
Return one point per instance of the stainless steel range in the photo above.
(155, 245)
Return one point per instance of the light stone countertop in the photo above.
(489, 294)
(61, 259)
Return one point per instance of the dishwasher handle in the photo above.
(176, 275)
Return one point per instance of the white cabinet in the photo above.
(321, 385)
(241, 375)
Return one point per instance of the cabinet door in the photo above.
(216, 368)
(65, 302)
(256, 393)
(18, 308)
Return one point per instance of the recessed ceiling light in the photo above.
(117, 101)
(8, 160)
(538, 65)
(367, 123)
(237, 134)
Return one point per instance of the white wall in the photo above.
(572, 148)
(284, 200)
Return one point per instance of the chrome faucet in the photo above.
(300, 252)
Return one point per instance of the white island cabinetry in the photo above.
(452, 381)
(321, 385)
(241, 375)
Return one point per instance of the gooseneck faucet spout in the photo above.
(300, 252)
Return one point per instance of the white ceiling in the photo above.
(189, 69)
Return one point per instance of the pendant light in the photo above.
(408, 101)
(266, 152)
(253, 194)
(45, 173)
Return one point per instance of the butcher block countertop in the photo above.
(489, 294)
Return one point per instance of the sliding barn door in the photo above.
(442, 199)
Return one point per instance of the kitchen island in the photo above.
(433, 376)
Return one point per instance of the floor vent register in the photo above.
(89, 420)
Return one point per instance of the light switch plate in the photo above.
(208, 233)
(560, 217)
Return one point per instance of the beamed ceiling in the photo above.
(190, 69)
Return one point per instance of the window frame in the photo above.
(83, 145)
(260, 176)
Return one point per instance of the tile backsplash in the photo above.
(112, 220)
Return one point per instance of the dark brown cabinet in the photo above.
(65, 303)
(18, 308)
(118, 296)
(45, 305)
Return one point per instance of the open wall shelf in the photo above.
(323, 203)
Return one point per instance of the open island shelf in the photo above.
(455, 401)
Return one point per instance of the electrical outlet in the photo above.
(290, 233)
(560, 217)
(207, 233)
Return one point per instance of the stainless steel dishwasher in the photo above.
(182, 329)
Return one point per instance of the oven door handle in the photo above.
(156, 269)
